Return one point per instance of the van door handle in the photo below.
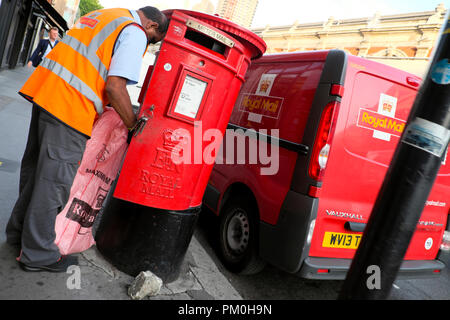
(355, 226)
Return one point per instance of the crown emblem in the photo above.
(172, 140)
(265, 84)
(387, 107)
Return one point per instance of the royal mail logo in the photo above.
(263, 105)
(374, 121)
(82, 213)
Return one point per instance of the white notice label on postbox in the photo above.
(191, 96)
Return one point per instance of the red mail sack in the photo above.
(98, 169)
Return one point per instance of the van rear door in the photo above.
(373, 113)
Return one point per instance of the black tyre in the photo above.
(238, 239)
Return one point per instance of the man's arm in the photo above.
(40, 47)
(119, 99)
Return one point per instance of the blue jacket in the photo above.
(37, 55)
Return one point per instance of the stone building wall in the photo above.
(404, 41)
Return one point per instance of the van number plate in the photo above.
(341, 240)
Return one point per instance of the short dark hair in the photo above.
(157, 16)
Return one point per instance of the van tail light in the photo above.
(323, 270)
(445, 245)
(322, 144)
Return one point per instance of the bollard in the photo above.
(408, 183)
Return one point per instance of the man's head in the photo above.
(53, 33)
(154, 22)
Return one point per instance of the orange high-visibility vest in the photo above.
(70, 81)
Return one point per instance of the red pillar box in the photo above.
(148, 222)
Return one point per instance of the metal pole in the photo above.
(407, 185)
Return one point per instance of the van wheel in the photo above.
(238, 232)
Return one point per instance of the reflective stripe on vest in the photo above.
(74, 81)
(91, 55)
(94, 45)
(70, 82)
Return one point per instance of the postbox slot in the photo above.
(205, 41)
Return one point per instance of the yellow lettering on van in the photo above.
(374, 122)
(250, 105)
(270, 106)
(274, 106)
(398, 127)
(264, 105)
(255, 104)
(382, 123)
(392, 125)
(245, 102)
(365, 117)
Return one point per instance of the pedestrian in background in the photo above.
(88, 70)
(43, 48)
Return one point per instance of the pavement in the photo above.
(95, 278)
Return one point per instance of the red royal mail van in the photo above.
(328, 124)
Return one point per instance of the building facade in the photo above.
(240, 12)
(68, 9)
(23, 23)
(205, 6)
(404, 41)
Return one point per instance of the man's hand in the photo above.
(29, 64)
(116, 90)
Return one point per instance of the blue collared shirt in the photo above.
(128, 52)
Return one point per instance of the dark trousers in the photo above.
(49, 165)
